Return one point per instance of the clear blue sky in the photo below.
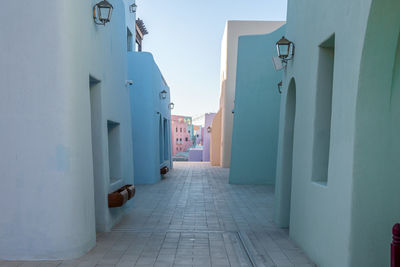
(185, 39)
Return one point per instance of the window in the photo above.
(186, 139)
(176, 129)
(323, 111)
(166, 139)
(114, 151)
(129, 38)
(180, 140)
(181, 129)
(177, 139)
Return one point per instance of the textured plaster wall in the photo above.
(209, 117)
(215, 140)
(147, 108)
(229, 49)
(257, 107)
(376, 171)
(321, 215)
(283, 186)
(48, 171)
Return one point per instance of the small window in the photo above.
(129, 38)
(114, 151)
(323, 109)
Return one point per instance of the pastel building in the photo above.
(196, 154)
(182, 131)
(151, 118)
(215, 140)
(338, 168)
(229, 52)
(67, 137)
(257, 109)
(197, 135)
(207, 130)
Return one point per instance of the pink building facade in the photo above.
(181, 134)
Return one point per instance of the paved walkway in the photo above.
(194, 218)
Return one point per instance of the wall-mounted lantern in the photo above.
(132, 8)
(163, 94)
(280, 84)
(209, 129)
(102, 12)
(171, 106)
(285, 49)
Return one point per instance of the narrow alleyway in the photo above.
(194, 218)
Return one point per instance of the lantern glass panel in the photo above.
(283, 50)
(104, 13)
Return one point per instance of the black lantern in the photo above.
(285, 49)
(209, 129)
(163, 94)
(102, 12)
(171, 106)
(132, 8)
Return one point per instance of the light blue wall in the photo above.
(146, 110)
(257, 107)
(57, 180)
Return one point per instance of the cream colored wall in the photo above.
(229, 47)
(215, 141)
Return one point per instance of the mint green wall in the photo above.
(257, 105)
(321, 215)
(283, 186)
(376, 197)
(347, 221)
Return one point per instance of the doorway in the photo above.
(284, 174)
(95, 109)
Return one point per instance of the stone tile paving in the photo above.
(194, 218)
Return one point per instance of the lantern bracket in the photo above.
(280, 84)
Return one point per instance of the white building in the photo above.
(66, 136)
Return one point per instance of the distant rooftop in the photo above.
(141, 26)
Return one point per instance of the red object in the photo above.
(121, 196)
(395, 246)
(164, 170)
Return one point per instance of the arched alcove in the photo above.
(376, 173)
(285, 160)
